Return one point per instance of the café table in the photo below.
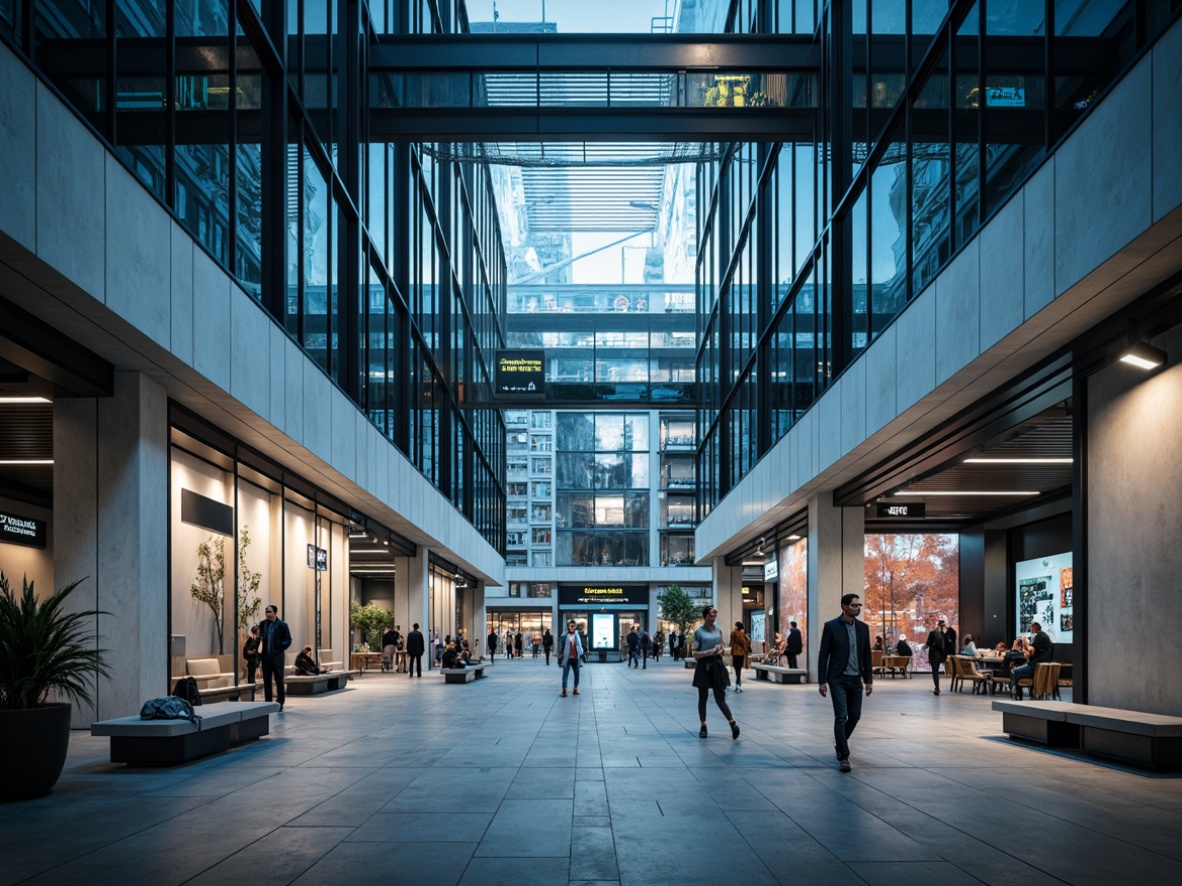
(363, 661)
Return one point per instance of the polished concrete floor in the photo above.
(501, 781)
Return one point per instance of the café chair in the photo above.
(952, 669)
(967, 667)
(876, 661)
(1046, 680)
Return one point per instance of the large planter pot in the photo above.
(33, 747)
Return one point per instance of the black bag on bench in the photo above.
(186, 688)
(169, 708)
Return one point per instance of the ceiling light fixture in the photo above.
(25, 461)
(1010, 492)
(1143, 355)
(24, 400)
(1019, 461)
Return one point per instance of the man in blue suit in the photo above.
(844, 665)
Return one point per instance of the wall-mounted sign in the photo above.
(18, 530)
(900, 509)
(771, 568)
(521, 374)
(317, 558)
(599, 595)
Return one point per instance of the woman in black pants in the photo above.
(710, 673)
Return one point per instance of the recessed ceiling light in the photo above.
(1018, 461)
(1010, 492)
(5, 399)
(26, 461)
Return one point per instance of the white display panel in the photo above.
(1044, 591)
(603, 630)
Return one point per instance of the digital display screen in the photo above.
(1044, 589)
(603, 630)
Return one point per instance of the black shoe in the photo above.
(845, 765)
(734, 730)
(702, 732)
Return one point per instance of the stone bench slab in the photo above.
(168, 742)
(779, 674)
(463, 675)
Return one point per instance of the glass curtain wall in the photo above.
(383, 265)
(602, 487)
(930, 115)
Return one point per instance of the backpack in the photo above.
(168, 708)
(186, 689)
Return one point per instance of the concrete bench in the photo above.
(327, 662)
(168, 742)
(1151, 740)
(315, 684)
(208, 673)
(465, 674)
(779, 674)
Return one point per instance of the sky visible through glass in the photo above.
(577, 16)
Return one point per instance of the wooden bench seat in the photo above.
(168, 742)
(1151, 740)
(241, 692)
(779, 674)
(465, 674)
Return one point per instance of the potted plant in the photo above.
(43, 650)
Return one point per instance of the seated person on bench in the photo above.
(451, 657)
(304, 664)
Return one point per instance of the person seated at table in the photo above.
(1017, 654)
(451, 657)
(878, 643)
(1000, 648)
(304, 665)
(969, 648)
(902, 647)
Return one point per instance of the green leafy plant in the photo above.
(371, 620)
(44, 649)
(209, 588)
(679, 607)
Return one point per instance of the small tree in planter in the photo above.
(249, 601)
(679, 607)
(43, 650)
(370, 620)
(209, 588)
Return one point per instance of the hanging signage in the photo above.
(18, 530)
(317, 558)
(771, 568)
(898, 509)
(601, 595)
(521, 374)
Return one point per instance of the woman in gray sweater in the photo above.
(710, 672)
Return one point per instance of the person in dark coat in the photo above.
(250, 653)
(937, 652)
(547, 644)
(633, 642)
(415, 647)
(794, 645)
(710, 673)
(274, 640)
(844, 665)
(518, 644)
(492, 645)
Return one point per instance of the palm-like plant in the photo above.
(45, 649)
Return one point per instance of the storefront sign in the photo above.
(521, 374)
(895, 510)
(19, 530)
(771, 568)
(599, 595)
(317, 558)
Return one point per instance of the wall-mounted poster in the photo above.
(1044, 588)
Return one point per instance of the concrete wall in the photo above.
(84, 245)
(1094, 228)
(1134, 426)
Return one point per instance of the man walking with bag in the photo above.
(571, 654)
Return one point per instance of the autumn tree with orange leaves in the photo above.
(911, 580)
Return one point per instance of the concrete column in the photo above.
(417, 606)
(110, 496)
(479, 630)
(836, 566)
(728, 595)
